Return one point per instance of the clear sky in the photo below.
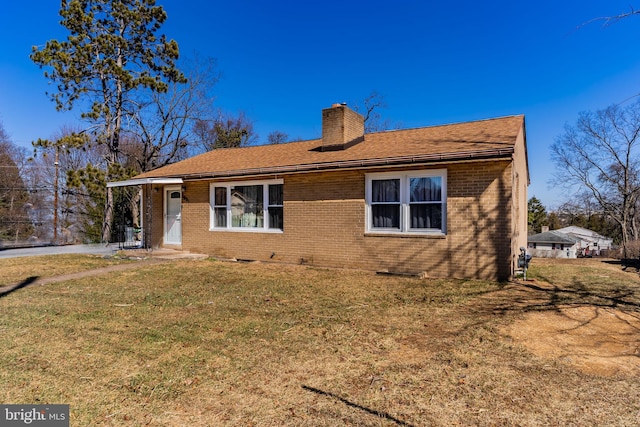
(435, 61)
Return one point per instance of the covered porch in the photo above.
(139, 220)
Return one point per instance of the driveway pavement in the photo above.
(96, 249)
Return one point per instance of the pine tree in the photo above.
(111, 53)
(537, 215)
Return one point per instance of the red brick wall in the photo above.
(324, 225)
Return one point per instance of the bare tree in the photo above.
(582, 210)
(610, 20)
(15, 222)
(62, 208)
(277, 137)
(226, 131)
(370, 109)
(600, 155)
(165, 124)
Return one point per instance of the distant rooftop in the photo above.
(553, 236)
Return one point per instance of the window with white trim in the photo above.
(247, 205)
(407, 202)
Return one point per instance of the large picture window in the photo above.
(247, 206)
(407, 202)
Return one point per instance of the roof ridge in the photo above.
(378, 132)
(465, 122)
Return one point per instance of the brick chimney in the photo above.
(341, 128)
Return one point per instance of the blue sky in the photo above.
(435, 62)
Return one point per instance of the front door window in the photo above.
(173, 217)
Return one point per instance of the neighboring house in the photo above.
(553, 244)
(448, 201)
(590, 241)
(567, 242)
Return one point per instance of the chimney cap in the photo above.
(339, 104)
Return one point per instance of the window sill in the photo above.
(405, 235)
(247, 230)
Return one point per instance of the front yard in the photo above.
(210, 343)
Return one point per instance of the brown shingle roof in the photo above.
(478, 139)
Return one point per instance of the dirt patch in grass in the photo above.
(598, 341)
(589, 318)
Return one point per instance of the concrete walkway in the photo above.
(141, 257)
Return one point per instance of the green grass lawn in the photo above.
(208, 343)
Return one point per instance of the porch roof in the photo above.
(142, 181)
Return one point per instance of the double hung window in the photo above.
(407, 202)
(247, 206)
(385, 203)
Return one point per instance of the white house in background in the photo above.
(568, 242)
(589, 240)
(553, 244)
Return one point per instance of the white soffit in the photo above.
(142, 181)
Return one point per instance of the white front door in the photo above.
(172, 216)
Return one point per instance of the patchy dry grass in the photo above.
(208, 343)
(14, 270)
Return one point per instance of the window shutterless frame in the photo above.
(418, 206)
(251, 206)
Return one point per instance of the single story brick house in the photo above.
(448, 201)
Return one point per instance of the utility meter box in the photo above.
(524, 258)
(523, 261)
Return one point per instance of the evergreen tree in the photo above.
(537, 215)
(112, 51)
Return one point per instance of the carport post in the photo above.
(148, 215)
